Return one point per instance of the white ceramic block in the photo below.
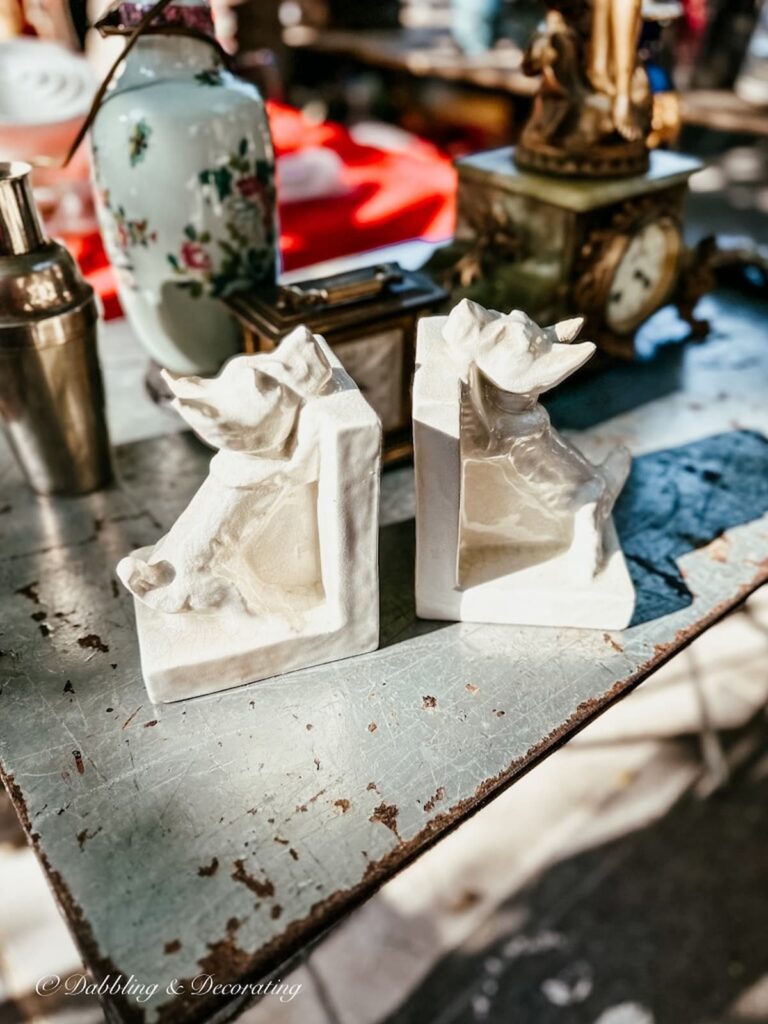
(513, 524)
(273, 566)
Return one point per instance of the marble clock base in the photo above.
(546, 594)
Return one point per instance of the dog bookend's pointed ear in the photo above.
(192, 402)
(462, 331)
(569, 330)
(300, 363)
(565, 332)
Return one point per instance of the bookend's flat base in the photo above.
(541, 595)
(199, 653)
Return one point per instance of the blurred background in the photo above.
(550, 905)
(369, 103)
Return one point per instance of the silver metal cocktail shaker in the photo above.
(51, 392)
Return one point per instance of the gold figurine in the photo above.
(615, 30)
(592, 114)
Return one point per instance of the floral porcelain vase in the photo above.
(184, 171)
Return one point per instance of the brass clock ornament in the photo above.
(593, 112)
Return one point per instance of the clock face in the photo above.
(644, 275)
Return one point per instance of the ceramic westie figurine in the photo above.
(513, 523)
(273, 564)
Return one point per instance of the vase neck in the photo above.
(160, 57)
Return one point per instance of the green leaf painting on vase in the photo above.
(138, 141)
(245, 256)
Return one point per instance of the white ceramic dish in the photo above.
(45, 92)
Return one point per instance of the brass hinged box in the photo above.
(368, 317)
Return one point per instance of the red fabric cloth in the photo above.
(389, 198)
(89, 253)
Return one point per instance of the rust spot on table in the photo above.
(439, 795)
(93, 642)
(386, 814)
(263, 888)
(30, 591)
(209, 870)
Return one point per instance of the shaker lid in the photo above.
(20, 228)
(40, 284)
(42, 296)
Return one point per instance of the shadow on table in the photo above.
(593, 398)
(397, 590)
(681, 499)
(660, 926)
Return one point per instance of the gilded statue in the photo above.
(613, 58)
(592, 114)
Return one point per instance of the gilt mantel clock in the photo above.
(611, 249)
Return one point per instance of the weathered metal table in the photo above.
(221, 835)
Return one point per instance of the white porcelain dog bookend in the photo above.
(513, 523)
(273, 565)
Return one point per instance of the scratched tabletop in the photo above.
(219, 836)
